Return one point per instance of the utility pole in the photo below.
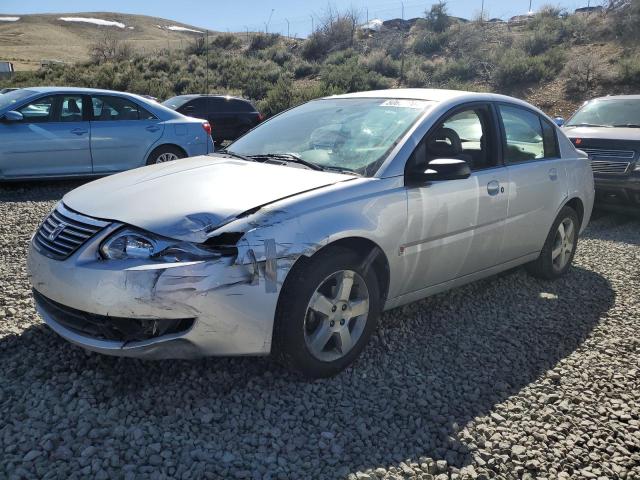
(247, 29)
(287, 20)
(402, 3)
(367, 15)
(530, 5)
(206, 88)
(312, 29)
(266, 25)
(482, 12)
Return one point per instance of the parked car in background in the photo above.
(62, 132)
(229, 117)
(7, 90)
(608, 130)
(297, 236)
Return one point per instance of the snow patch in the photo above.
(374, 24)
(9, 19)
(94, 21)
(176, 28)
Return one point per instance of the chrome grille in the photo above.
(64, 231)
(611, 168)
(605, 153)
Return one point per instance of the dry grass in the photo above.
(37, 37)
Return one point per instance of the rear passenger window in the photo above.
(523, 131)
(241, 106)
(107, 108)
(71, 109)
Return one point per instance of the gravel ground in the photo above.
(510, 377)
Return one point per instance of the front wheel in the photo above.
(559, 248)
(327, 311)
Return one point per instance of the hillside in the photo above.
(32, 38)
(552, 59)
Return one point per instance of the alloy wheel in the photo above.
(336, 315)
(166, 157)
(563, 244)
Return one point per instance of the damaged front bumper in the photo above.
(176, 310)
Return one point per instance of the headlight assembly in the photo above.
(133, 244)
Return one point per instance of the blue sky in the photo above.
(253, 14)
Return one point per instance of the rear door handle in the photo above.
(553, 174)
(153, 128)
(493, 187)
(79, 131)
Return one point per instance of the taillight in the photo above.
(260, 117)
(207, 127)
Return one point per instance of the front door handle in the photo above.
(493, 187)
(153, 128)
(79, 131)
(553, 174)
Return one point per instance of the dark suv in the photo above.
(608, 130)
(229, 117)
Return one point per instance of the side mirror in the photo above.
(13, 116)
(441, 169)
(559, 121)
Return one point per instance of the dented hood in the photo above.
(189, 198)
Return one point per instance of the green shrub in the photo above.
(262, 41)
(226, 41)
(437, 18)
(416, 78)
(629, 69)
(349, 76)
(428, 43)
(304, 69)
(516, 68)
(538, 42)
(379, 62)
(460, 70)
(315, 46)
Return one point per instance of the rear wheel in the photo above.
(559, 248)
(327, 311)
(165, 153)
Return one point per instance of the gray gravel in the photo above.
(510, 377)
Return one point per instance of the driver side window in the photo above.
(463, 135)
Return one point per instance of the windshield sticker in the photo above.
(405, 103)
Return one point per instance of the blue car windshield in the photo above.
(11, 98)
(349, 134)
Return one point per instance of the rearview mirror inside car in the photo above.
(12, 116)
(441, 169)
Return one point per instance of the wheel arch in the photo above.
(578, 206)
(166, 144)
(369, 252)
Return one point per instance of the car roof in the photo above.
(75, 90)
(212, 95)
(618, 97)
(430, 94)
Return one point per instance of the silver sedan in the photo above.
(296, 237)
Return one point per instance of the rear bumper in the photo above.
(623, 192)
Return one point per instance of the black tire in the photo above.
(543, 266)
(156, 154)
(289, 343)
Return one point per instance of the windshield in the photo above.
(176, 102)
(337, 133)
(10, 98)
(608, 113)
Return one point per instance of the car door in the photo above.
(455, 227)
(122, 133)
(51, 140)
(537, 179)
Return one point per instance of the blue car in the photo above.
(65, 132)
